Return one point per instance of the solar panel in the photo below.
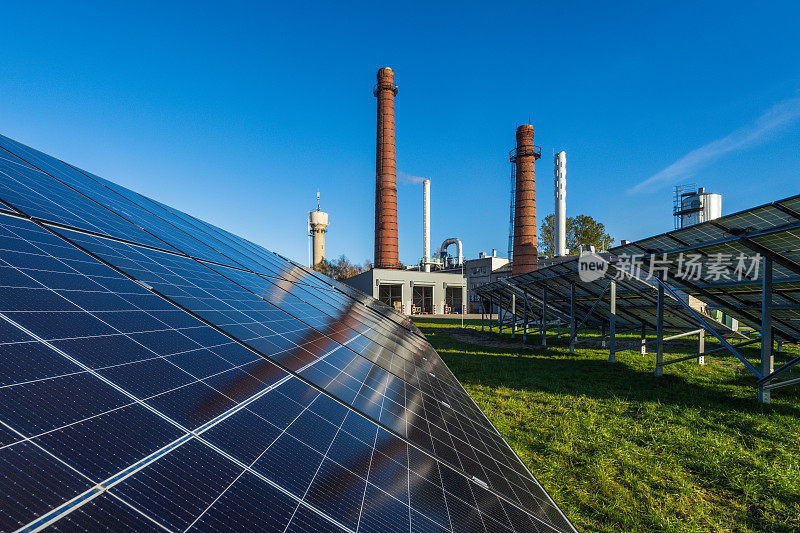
(161, 373)
(771, 230)
(635, 295)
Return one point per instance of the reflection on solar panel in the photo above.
(161, 373)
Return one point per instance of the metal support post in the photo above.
(571, 318)
(513, 315)
(603, 334)
(701, 359)
(543, 324)
(525, 318)
(660, 330)
(483, 312)
(644, 339)
(767, 356)
(612, 325)
(500, 316)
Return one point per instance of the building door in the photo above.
(391, 295)
(452, 299)
(423, 299)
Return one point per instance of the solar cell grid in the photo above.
(158, 392)
(299, 336)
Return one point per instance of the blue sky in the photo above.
(239, 112)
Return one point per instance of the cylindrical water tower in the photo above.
(318, 222)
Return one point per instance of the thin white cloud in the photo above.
(777, 117)
(410, 179)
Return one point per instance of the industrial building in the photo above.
(482, 271)
(442, 283)
(414, 291)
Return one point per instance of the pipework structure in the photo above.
(524, 156)
(561, 204)
(318, 224)
(386, 248)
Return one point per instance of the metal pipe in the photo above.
(459, 251)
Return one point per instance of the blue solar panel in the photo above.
(161, 373)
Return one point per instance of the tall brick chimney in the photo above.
(386, 252)
(526, 255)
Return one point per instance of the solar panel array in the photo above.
(161, 373)
(636, 296)
(741, 241)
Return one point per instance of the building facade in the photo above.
(479, 272)
(414, 292)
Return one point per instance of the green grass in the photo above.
(622, 450)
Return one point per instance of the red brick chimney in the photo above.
(525, 255)
(386, 252)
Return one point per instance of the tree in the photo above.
(582, 230)
(342, 268)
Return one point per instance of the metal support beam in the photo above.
(572, 318)
(721, 348)
(701, 348)
(574, 331)
(612, 334)
(660, 330)
(710, 329)
(782, 384)
(767, 357)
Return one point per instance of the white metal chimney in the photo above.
(426, 224)
(561, 203)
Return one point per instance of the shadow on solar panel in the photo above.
(161, 373)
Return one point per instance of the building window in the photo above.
(452, 298)
(423, 299)
(391, 295)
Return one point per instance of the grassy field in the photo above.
(622, 450)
